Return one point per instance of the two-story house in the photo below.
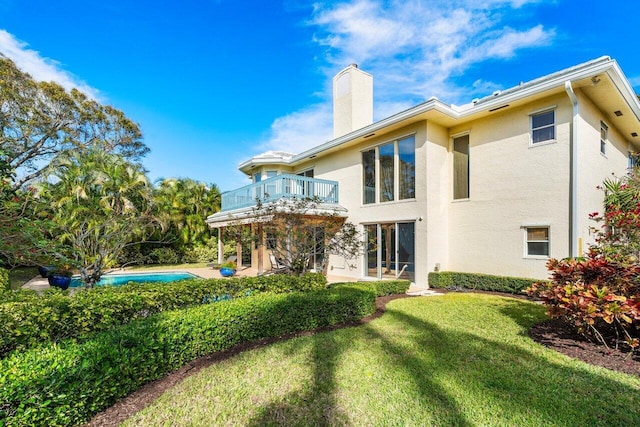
(497, 186)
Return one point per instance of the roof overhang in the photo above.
(249, 215)
(601, 80)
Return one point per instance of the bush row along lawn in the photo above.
(28, 319)
(456, 360)
(65, 383)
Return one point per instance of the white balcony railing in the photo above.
(280, 186)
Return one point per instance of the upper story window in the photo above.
(604, 134)
(307, 186)
(369, 176)
(308, 173)
(257, 177)
(461, 167)
(389, 171)
(632, 160)
(543, 127)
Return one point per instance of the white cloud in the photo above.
(413, 49)
(39, 67)
(301, 130)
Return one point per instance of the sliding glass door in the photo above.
(390, 250)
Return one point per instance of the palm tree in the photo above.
(182, 206)
(99, 203)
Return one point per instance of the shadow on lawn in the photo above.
(508, 383)
(519, 384)
(317, 406)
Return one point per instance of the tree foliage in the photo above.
(600, 294)
(23, 236)
(99, 203)
(182, 205)
(40, 120)
(300, 234)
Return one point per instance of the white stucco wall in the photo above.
(512, 185)
(595, 167)
(437, 198)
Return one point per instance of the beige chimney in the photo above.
(352, 100)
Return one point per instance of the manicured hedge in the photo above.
(67, 383)
(475, 281)
(381, 287)
(30, 319)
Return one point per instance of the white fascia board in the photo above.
(553, 81)
(625, 89)
(556, 80)
(431, 104)
(542, 84)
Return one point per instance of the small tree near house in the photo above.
(300, 234)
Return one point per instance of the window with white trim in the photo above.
(537, 241)
(461, 167)
(543, 127)
(389, 171)
(604, 133)
(632, 160)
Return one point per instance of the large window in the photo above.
(389, 172)
(543, 127)
(461, 167)
(390, 250)
(407, 168)
(387, 183)
(537, 244)
(369, 176)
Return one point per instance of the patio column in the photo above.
(220, 246)
(260, 249)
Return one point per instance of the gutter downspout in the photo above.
(573, 180)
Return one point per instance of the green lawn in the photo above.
(456, 360)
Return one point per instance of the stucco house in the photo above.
(496, 186)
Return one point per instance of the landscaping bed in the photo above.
(561, 337)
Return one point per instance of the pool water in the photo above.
(123, 279)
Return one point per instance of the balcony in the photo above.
(280, 186)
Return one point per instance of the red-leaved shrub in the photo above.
(600, 296)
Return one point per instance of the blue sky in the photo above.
(214, 82)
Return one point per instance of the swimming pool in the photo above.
(122, 279)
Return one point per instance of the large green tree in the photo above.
(23, 236)
(100, 203)
(182, 205)
(40, 120)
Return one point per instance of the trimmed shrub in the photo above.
(483, 282)
(28, 320)
(164, 256)
(200, 253)
(5, 284)
(380, 287)
(66, 384)
(599, 296)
